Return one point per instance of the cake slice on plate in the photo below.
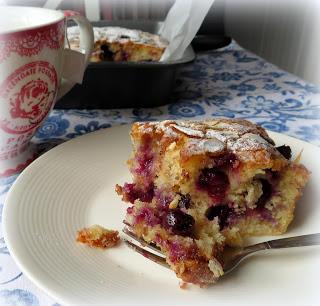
(201, 185)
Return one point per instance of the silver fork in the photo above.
(231, 257)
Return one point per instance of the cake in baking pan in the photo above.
(121, 44)
(201, 185)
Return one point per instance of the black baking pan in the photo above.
(126, 84)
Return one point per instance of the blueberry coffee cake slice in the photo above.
(201, 185)
(121, 44)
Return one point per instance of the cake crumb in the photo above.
(97, 236)
(183, 285)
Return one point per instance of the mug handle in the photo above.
(86, 44)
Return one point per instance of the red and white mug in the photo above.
(36, 68)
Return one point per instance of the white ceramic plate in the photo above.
(72, 186)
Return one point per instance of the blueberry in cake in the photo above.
(121, 44)
(201, 185)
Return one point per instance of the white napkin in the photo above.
(181, 25)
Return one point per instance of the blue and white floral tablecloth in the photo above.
(229, 82)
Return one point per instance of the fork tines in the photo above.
(148, 250)
(155, 258)
(143, 243)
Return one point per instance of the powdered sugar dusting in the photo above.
(189, 131)
(159, 127)
(248, 142)
(241, 129)
(221, 135)
(195, 125)
(215, 135)
(199, 146)
(145, 129)
(170, 132)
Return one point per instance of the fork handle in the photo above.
(297, 241)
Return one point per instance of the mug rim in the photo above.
(40, 25)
